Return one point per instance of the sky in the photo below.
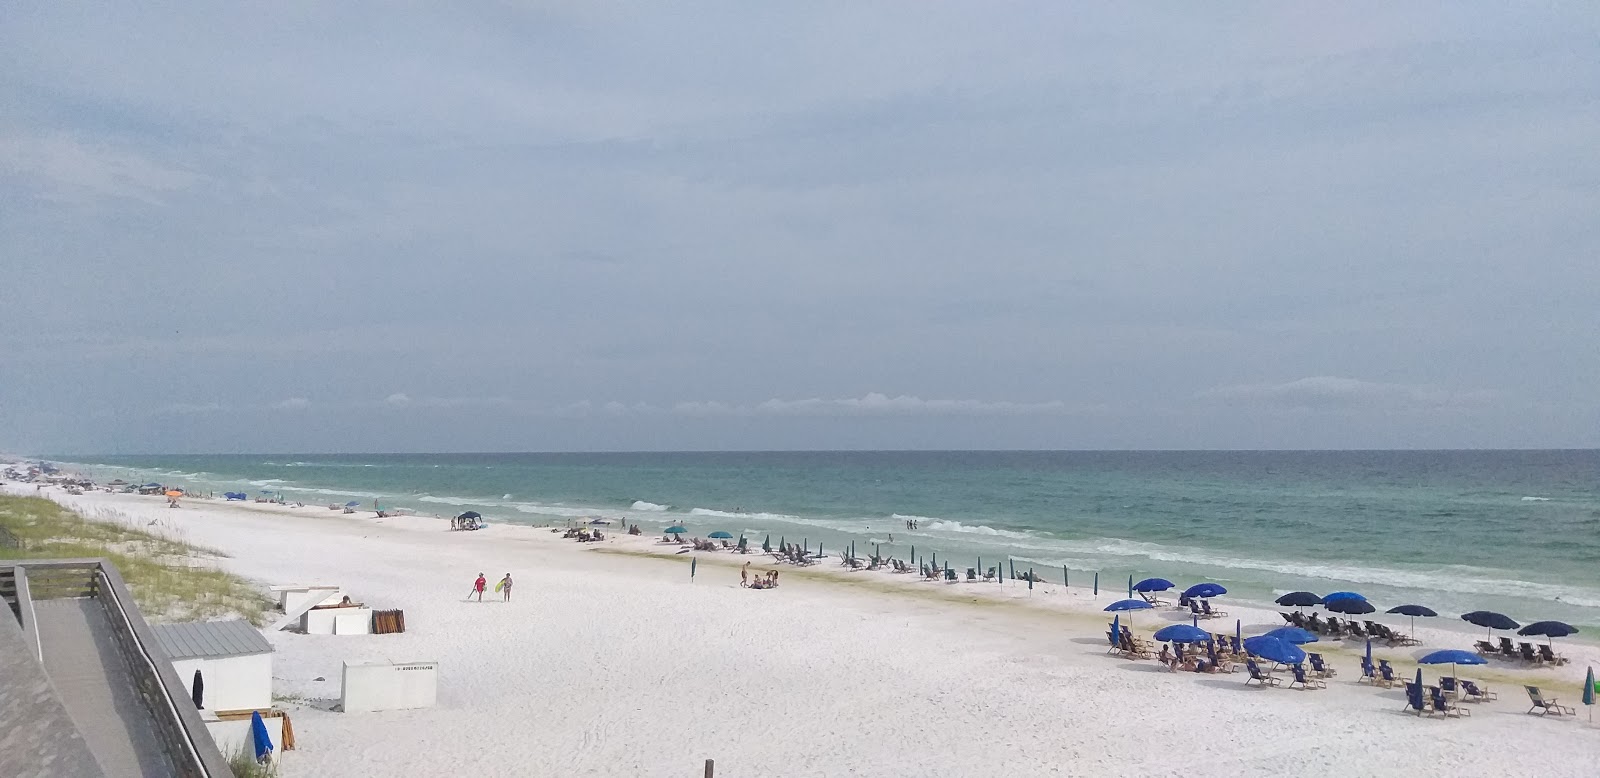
(499, 226)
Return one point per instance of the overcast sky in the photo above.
(590, 225)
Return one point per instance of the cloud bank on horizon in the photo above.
(548, 226)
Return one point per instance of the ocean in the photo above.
(1512, 531)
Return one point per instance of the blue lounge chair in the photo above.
(1368, 673)
(1386, 674)
(1320, 667)
(1442, 704)
(1256, 675)
(1475, 693)
(1305, 682)
(1207, 613)
(1416, 701)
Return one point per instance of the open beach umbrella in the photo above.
(1299, 600)
(1204, 590)
(676, 529)
(1293, 635)
(466, 515)
(720, 535)
(1128, 605)
(1413, 611)
(1452, 657)
(1490, 620)
(174, 493)
(1274, 650)
(1182, 633)
(1349, 605)
(1152, 585)
(1329, 599)
(1549, 629)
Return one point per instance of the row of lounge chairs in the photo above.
(1432, 700)
(1314, 677)
(1333, 627)
(1526, 652)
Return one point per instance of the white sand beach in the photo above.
(610, 663)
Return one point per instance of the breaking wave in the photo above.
(641, 505)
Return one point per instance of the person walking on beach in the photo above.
(505, 587)
(477, 586)
(744, 575)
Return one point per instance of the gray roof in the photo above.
(210, 639)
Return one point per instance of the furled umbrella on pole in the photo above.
(1589, 693)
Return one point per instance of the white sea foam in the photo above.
(946, 525)
(505, 496)
(641, 505)
(735, 515)
(1536, 499)
(912, 517)
(453, 500)
(268, 482)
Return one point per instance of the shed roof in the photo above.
(210, 639)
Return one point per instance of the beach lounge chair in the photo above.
(1551, 657)
(1527, 653)
(1508, 649)
(1305, 681)
(1369, 674)
(1288, 618)
(1355, 629)
(950, 574)
(1417, 700)
(1386, 676)
(972, 574)
(1194, 609)
(1443, 705)
(1265, 679)
(1546, 705)
(988, 575)
(1335, 627)
(1448, 686)
(1485, 648)
(1205, 609)
(1319, 667)
(1472, 692)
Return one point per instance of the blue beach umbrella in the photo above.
(1413, 611)
(1238, 635)
(1293, 635)
(1128, 605)
(1182, 633)
(721, 535)
(1152, 585)
(676, 529)
(1336, 596)
(1452, 657)
(258, 735)
(1349, 605)
(1369, 667)
(1130, 585)
(766, 545)
(1490, 620)
(354, 503)
(1274, 650)
(1204, 590)
(1553, 629)
(1116, 629)
(1588, 693)
(1299, 600)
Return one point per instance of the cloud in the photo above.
(190, 409)
(70, 170)
(398, 400)
(402, 400)
(872, 404)
(292, 404)
(1334, 392)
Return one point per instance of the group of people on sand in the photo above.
(1193, 661)
(504, 587)
(768, 580)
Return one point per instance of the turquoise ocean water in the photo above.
(1513, 531)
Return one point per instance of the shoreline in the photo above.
(829, 647)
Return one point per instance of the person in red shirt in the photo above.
(477, 587)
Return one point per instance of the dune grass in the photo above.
(172, 579)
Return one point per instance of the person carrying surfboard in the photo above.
(504, 587)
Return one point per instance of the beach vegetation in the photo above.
(244, 765)
(171, 578)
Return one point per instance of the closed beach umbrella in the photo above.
(259, 737)
(720, 535)
(1204, 590)
(1182, 633)
(1152, 585)
(1293, 635)
(1329, 599)
(1130, 585)
(1238, 635)
(1369, 666)
(1589, 693)
(1116, 628)
(1274, 650)
(198, 690)
(1128, 605)
(1490, 620)
(1349, 605)
(766, 545)
(1413, 611)
(1300, 600)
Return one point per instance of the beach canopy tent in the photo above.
(1490, 620)
(1183, 633)
(1274, 650)
(1329, 599)
(1350, 606)
(676, 529)
(721, 535)
(1413, 611)
(1204, 590)
(466, 515)
(1152, 585)
(235, 496)
(1293, 635)
(1300, 600)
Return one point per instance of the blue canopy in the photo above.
(1204, 590)
(1129, 605)
(1349, 605)
(1553, 629)
(676, 529)
(354, 503)
(719, 534)
(1152, 585)
(1490, 619)
(1452, 656)
(1293, 635)
(1274, 650)
(1329, 598)
(467, 515)
(1299, 600)
(1412, 610)
(1183, 633)
(151, 485)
